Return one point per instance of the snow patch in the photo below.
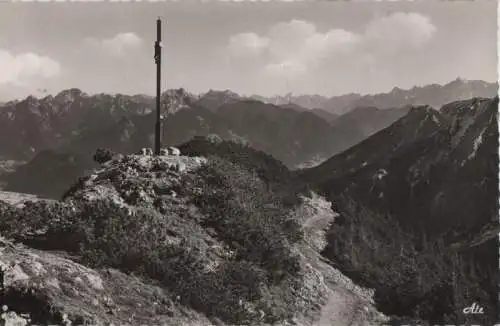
(477, 142)
(435, 119)
(460, 125)
(381, 173)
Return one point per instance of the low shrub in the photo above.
(242, 210)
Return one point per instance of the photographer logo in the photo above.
(474, 309)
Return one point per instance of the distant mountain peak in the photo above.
(225, 92)
(69, 95)
(214, 99)
(177, 92)
(30, 99)
(177, 99)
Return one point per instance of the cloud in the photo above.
(245, 44)
(286, 69)
(291, 33)
(296, 47)
(24, 68)
(399, 31)
(120, 45)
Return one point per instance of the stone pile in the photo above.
(138, 179)
(173, 151)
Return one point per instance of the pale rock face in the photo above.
(174, 151)
(180, 167)
(98, 291)
(95, 281)
(14, 274)
(12, 319)
(146, 152)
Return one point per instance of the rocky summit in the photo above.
(173, 240)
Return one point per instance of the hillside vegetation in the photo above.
(197, 238)
(426, 280)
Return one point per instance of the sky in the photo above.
(264, 48)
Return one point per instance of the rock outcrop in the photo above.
(52, 289)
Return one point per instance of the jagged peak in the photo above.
(30, 99)
(457, 81)
(463, 81)
(463, 108)
(70, 93)
(226, 92)
(48, 98)
(178, 93)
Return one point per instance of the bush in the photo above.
(9, 222)
(103, 155)
(242, 210)
(34, 216)
(275, 175)
(105, 235)
(222, 292)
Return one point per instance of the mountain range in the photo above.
(72, 124)
(52, 122)
(434, 95)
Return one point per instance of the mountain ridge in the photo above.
(441, 138)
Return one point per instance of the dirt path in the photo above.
(347, 304)
(340, 309)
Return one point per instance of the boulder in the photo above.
(174, 151)
(145, 152)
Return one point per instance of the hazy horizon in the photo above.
(41, 96)
(250, 48)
